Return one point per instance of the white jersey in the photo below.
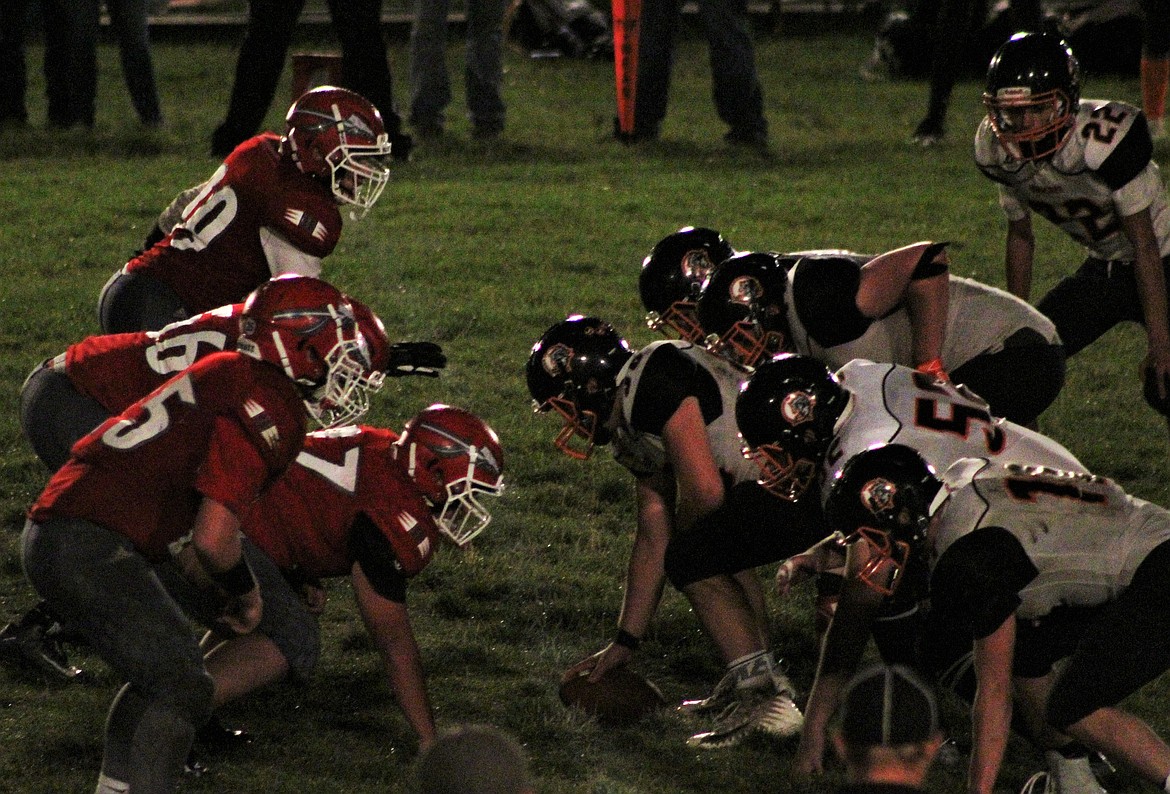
(824, 322)
(1083, 533)
(651, 386)
(890, 404)
(1104, 171)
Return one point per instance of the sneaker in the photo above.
(27, 646)
(1071, 775)
(758, 711)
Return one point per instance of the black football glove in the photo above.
(415, 358)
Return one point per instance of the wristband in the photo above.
(626, 640)
(237, 579)
(933, 367)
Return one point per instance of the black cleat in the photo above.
(216, 737)
(32, 647)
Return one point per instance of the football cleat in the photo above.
(214, 736)
(760, 710)
(722, 696)
(1071, 775)
(30, 646)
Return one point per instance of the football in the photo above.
(621, 697)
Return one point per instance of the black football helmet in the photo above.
(573, 370)
(786, 412)
(882, 497)
(742, 308)
(673, 275)
(1033, 87)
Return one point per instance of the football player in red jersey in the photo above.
(186, 460)
(270, 208)
(69, 395)
(367, 503)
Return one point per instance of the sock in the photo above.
(1155, 73)
(752, 671)
(1166, 784)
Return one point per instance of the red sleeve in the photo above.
(233, 473)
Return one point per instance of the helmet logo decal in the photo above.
(878, 496)
(745, 290)
(557, 360)
(696, 265)
(798, 407)
(356, 123)
(1014, 92)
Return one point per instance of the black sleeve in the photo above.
(1130, 157)
(977, 581)
(824, 295)
(669, 377)
(373, 552)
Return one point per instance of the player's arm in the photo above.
(991, 713)
(215, 539)
(699, 484)
(284, 257)
(1151, 282)
(841, 652)
(1019, 249)
(822, 556)
(915, 275)
(389, 626)
(645, 575)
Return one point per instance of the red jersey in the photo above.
(215, 255)
(303, 520)
(117, 370)
(222, 429)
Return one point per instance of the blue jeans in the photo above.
(483, 73)
(71, 59)
(739, 99)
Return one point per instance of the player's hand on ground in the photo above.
(600, 663)
(809, 758)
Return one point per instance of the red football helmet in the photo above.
(336, 134)
(377, 346)
(453, 457)
(307, 327)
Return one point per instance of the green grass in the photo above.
(480, 248)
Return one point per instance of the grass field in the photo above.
(481, 247)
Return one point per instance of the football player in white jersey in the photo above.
(1032, 565)
(802, 425)
(1087, 166)
(901, 306)
(703, 522)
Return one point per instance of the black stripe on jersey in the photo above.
(824, 294)
(374, 553)
(977, 581)
(669, 377)
(1130, 157)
